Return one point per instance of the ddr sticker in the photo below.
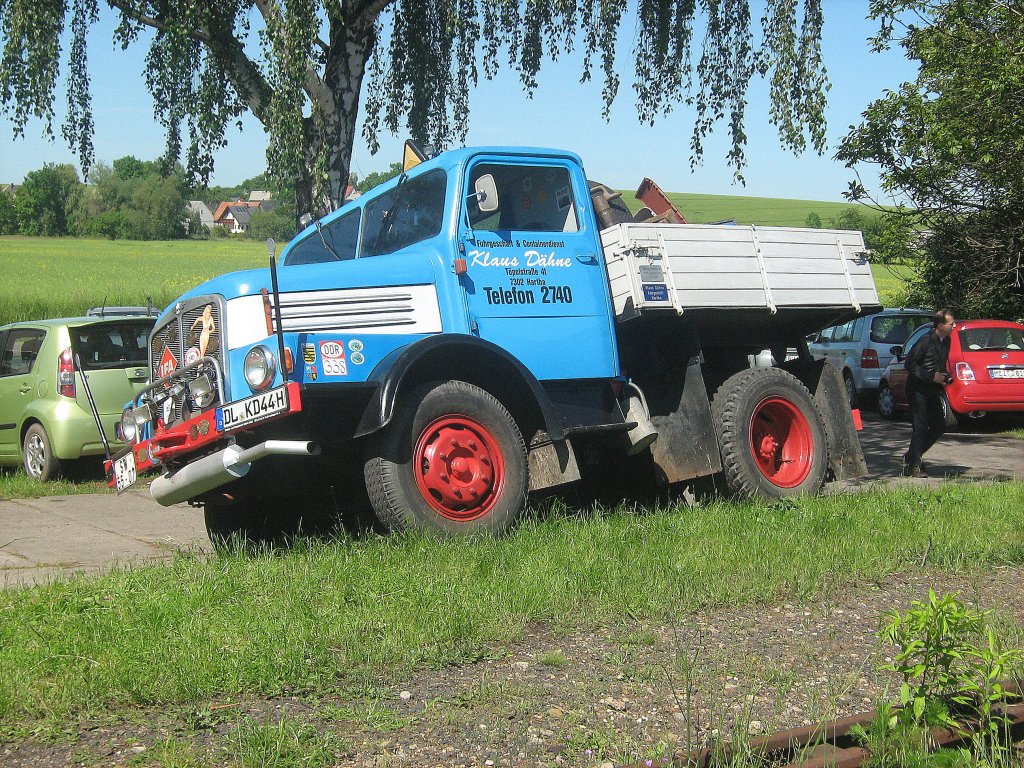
(355, 346)
(357, 358)
(309, 353)
(333, 354)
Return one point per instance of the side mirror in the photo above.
(486, 193)
(305, 220)
(896, 350)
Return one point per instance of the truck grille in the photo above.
(180, 341)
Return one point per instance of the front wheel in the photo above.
(452, 460)
(771, 437)
(37, 455)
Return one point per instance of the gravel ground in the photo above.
(624, 693)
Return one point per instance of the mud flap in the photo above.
(825, 382)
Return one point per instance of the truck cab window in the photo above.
(531, 198)
(342, 235)
(407, 214)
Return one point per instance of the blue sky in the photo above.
(563, 113)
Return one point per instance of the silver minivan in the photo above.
(860, 348)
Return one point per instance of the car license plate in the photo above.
(124, 472)
(254, 408)
(1007, 373)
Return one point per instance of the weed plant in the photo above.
(347, 611)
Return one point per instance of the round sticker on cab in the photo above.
(332, 354)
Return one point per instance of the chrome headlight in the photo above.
(259, 368)
(129, 431)
(134, 421)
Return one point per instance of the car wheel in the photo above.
(949, 416)
(37, 455)
(886, 401)
(851, 388)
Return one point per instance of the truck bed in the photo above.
(802, 279)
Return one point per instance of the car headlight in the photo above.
(259, 368)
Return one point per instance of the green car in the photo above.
(45, 419)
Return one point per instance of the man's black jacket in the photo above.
(926, 358)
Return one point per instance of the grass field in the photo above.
(326, 613)
(62, 277)
(761, 211)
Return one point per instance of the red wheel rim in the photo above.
(460, 468)
(781, 442)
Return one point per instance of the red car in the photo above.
(986, 361)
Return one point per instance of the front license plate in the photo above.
(254, 408)
(1007, 373)
(124, 472)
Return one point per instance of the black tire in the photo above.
(851, 388)
(949, 416)
(37, 456)
(253, 522)
(773, 409)
(477, 487)
(886, 402)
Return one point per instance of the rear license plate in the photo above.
(1007, 373)
(125, 475)
(255, 408)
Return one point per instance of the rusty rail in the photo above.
(831, 745)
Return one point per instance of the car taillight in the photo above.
(964, 372)
(66, 373)
(869, 358)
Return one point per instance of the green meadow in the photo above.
(63, 276)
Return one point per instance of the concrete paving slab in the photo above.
(42, 539)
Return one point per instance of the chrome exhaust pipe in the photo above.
(222, 467)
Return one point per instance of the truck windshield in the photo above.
(342, 235)
(409, 213)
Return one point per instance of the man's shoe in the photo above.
(909, 471)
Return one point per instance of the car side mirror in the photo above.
(486, 194)
(896, 350)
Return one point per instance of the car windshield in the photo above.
(1000, 339)
(112, 345)
(895, 329)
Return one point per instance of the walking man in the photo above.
(926, 376)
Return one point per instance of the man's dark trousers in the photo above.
(929, 421)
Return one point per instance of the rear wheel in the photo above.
(886, 401)
(949, 416)
(452, 460)
(37, 455)
(771, 437)
(851, 388)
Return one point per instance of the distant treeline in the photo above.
(130, 200)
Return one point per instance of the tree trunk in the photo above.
(350, 50)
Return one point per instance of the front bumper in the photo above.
(200, 434)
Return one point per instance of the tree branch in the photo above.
(243, 73)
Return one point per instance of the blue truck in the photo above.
(487, 325)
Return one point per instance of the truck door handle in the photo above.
(25, 389)
(586, 258)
